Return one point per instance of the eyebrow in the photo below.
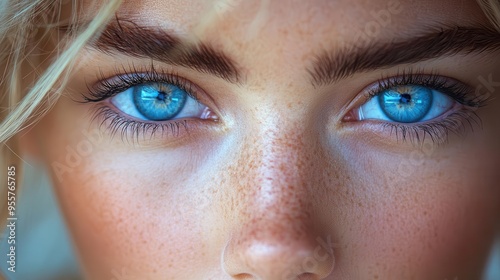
(127, 37)
(329, 67)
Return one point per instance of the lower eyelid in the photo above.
(115, 122)
(458, 121)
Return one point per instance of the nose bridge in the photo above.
(273, 231)
(281, 165)
(272, 181)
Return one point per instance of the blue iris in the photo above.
(406, 104)
(159, 102)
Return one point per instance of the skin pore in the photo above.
(283, 182)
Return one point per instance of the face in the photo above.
(272, 140)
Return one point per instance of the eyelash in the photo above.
(456, 122)
(123, 80)
(437, 130)
(107, 88)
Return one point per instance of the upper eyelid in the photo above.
(108, 87)
(455, 89)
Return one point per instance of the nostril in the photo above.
(307, 276)
(243, 276)
(303, 276)
(291, 260)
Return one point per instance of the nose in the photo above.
(279, 258)
(275, 234)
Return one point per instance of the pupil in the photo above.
(405, 98)
(406, 104)
(161, 96)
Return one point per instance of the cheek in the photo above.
(128, 210)
(129, 218)
(426, 212)
(424, 234)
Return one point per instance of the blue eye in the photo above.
(406, 104)
(157, 102)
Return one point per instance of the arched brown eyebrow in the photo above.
(330, 67)
(127, 37)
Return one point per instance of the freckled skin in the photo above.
(249, 196)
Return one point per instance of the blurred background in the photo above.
(44, 251)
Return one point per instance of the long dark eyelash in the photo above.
(460, 92)
(123, 126)
(458, 123)
(107, 88)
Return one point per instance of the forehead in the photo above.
(314, 17)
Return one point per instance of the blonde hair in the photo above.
(492, 10)
(24, 24)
